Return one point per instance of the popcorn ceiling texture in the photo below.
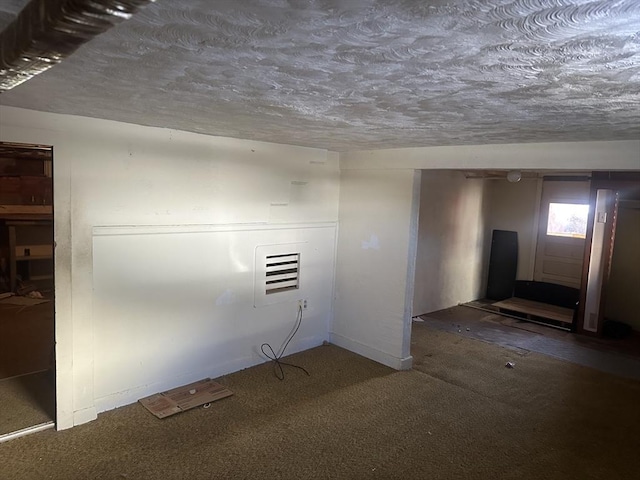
(357, 74)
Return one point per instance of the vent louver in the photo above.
(282, 273)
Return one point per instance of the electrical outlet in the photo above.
(302, 304)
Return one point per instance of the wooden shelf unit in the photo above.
(26, 236)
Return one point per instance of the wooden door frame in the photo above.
(36, 214)
(621, 183)
(542, 219)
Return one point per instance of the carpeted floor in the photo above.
(611, 356)
(26, 401)
(629, 345)
(26, 347)
(460, 414)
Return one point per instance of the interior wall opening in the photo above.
(27, 338)
(477, 228)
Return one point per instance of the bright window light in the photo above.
(568, 220)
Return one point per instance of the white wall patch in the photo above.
(373, 243)
(227, 298)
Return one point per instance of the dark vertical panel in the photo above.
(503, 264)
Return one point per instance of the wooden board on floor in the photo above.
(185, 398)
(537, 309)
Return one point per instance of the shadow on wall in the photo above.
(451, 256)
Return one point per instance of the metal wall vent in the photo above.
(282, 273)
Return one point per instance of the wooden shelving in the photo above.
(24, 236)
(26, 216)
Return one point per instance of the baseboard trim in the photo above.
(372, 353)
(132, 395)
(84, 416)
(406, 363)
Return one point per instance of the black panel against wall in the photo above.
(503, 264)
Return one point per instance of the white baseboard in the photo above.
(120, 399)
(372, 353)
(84, 416)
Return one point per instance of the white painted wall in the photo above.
(514, 207)
(451, 263)
(108, 174)
(376, 327)
(375, 261)
(175, 305)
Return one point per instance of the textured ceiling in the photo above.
(357, 74)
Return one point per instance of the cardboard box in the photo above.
(185, 398)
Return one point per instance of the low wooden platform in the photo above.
(537, 309)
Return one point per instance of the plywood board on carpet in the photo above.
(184, 398)
(538, 309)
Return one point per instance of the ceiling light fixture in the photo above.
(47, 31)
(514, 176)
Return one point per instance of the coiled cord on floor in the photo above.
(276, 358)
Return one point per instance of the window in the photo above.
(567, 220)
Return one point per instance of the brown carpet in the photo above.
(459, 415)
(26, 401)
(466, 316)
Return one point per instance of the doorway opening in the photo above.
(515, 253)
(609, 303)
(27, 316)
(546, 221)
(562, 226)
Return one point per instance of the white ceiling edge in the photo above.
(623, 155)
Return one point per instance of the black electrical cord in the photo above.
(277, 363)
